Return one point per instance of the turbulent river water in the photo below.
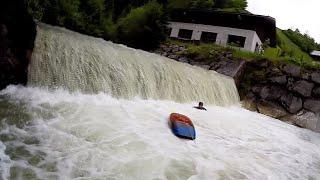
(96, 110)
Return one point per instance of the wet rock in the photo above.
(315, 77)
(164, 54)
(231, 68)
(281, 80)
(271, 109)
(173, 56)
(312, 105)
(291, 103)
(183, 59)
(250, 104)
(303, 88)
(292, 70)
(307, 120)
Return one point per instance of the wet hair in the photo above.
(200, 103)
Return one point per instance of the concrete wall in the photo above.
(222, 33)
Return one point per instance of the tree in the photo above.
(143, 27)
(236, 4)
(202, 4)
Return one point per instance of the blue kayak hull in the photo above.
(183, 130)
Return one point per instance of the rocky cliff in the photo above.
(17, 34)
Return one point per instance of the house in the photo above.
(315, 55)
(243, 30)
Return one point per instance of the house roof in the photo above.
(265, 26)
(315, 53)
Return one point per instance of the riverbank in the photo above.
(283, 91)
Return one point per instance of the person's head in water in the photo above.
(200, 106)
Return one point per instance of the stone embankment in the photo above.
(286, 92)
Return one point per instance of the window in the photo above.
(237, 41)
(185, 33)
(208, 37)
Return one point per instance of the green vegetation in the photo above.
(143, 27)
(136, 23)
(286, 51)
(119, 21)
(304, 41)
(228, 5)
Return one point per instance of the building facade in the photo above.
(242, 30)
(244, 39)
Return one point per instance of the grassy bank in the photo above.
(286, 51)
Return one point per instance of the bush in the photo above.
(143, 27)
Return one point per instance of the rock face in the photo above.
(292, 70)
(17, 34)
(315, 77)
(316, 92)
(288, 92)
(303, 87)
(312, 105)
(281, 80)
(307, 120)
(271, 109)
(291, 103)
(220, 62)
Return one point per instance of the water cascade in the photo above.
(76, 62)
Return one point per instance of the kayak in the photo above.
(182, 126)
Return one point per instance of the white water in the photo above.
(63, 58)
(50, 133)
(99, 137)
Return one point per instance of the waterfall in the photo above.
(76, 62)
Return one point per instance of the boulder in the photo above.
(281, 80)
(316, 92)
(203, 66)
(292, 70)
(303, 88)
(306, 76)
(249, 103)
(257, 89)
(315, 77)
(291, 103)
(308, 120)
(173, 56)
(312, 105)
(232, 68)
(271, 92)
(271, 109)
